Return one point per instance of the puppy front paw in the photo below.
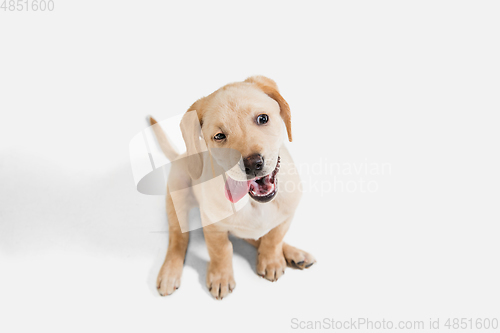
(271, 265)
(220, 281)
(169, 278)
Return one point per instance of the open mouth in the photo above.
(261, 189)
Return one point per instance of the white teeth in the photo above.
(270, 180)
(252, 191)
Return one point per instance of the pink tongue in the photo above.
(235, 190)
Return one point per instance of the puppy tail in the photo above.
(165, 144)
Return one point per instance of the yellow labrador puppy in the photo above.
(245, 117)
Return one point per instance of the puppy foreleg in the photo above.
(220, 277)
(271, 262)
(274, 254)
(169, 278)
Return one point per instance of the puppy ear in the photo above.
(195, 146)
(270, 88)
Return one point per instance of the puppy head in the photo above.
(242, 126)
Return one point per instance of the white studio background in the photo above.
(409, 85)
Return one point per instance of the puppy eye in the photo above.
(262, 119)
(219, 137)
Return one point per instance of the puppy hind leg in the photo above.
(253, 242)
(297, 258)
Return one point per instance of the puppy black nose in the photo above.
(253, 164)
